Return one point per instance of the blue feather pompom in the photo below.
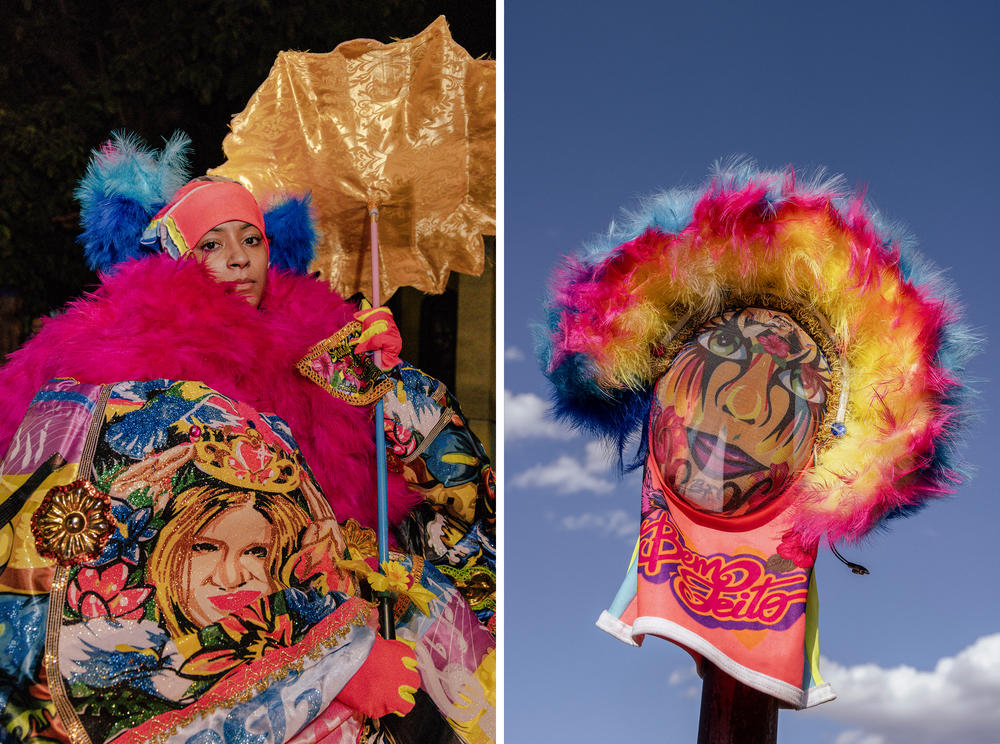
(291, 232)
(125, 185)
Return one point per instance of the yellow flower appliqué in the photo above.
(73, 523)
(394, 579)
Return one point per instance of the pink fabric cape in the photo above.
(158, 317)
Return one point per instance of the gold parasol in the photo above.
(407, 128)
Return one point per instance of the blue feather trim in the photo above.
(292, 233)
(125, 185)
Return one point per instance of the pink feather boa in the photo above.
(163, 318)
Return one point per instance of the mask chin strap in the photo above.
(855, 567)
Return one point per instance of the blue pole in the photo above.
(381, 482)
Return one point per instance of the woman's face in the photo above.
(228, 565)
(739, 409)
(235, 252)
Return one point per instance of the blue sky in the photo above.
(605, 103)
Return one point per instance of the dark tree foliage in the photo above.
(75, 70)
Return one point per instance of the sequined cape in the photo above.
(130, 653)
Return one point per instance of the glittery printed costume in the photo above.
(209, 582)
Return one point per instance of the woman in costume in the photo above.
(161, 315)
(196, 300)
(158, 313)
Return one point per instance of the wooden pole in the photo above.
(732, 713)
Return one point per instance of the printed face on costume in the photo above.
(228, 565)
(235, 252)
(738, 411)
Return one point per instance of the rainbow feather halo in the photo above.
(693, 253)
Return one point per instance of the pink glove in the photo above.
(385, 683)
(379, 332)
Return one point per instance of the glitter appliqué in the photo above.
(361, 541)
(337, 368)
(254, 678)
(247, 461)
(73, 523)
(475, 582)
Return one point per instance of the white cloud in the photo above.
(599, 457)
(564, 475)
(591, 470)
(513, 354)
(524, 416)
(678, 677)
(568, 474)
(957, 701)
(688, 679)
(617, 522)
(859, 737)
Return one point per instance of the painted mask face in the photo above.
(738, 411)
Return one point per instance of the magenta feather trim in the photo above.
(163, 318)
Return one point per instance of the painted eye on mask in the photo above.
(724, 343)
(793, 381)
